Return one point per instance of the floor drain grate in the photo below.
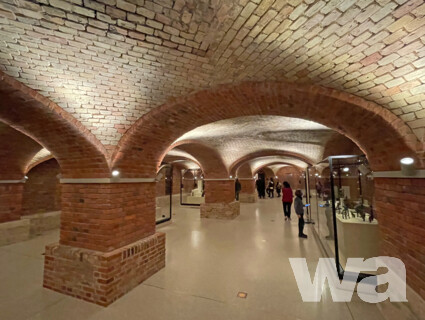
(242, 295)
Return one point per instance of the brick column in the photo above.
(108, 243)
(220, 199)
(400, 206)
(248, 191)
(10, 201)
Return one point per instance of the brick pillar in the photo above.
(108, 243)
(11, 201)
(400, 206)
(248, 192)
(220, 199)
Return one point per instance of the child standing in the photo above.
(299, 210)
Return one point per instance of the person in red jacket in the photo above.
(287, 197)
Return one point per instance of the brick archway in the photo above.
(208, 159)
(277, 162)
(383, 137)
(77, 150)
(265, 153)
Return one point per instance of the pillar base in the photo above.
(102, 277)
(248, 197)
(220, 210)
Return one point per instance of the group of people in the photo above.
(287, 199)
(269, 187)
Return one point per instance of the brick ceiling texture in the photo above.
(238, 137)
(108, 62)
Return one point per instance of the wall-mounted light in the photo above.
(407, 161)
(408, 166)
(346, 169)
(316, 174)
(115, 173)
(231, 177)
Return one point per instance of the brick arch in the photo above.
(277, 162)
(265, 153)
(244, 171)
(36, 163)
(16, 150)
(208, 158)
(171, 159)
(382, 136)
(77, 150)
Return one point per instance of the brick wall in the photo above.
(247, 186)
(42, 190)
(10, 201)
(400, 204)
(292, 175)
(219, 191)
(102, 277)
(106, 216)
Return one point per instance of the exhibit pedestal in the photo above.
(102, 277)
(220, 210)
(248, 197)
(357, 238)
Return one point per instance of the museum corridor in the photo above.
(208, 263)
(148, 149)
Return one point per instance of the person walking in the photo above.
(278, 188)
(287, 198)
(299, 210)
(270, 188)
(238, 188)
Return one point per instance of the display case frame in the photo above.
(336, 164)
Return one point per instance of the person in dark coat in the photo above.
(238, 188)
(261, 186)
(287, 198)
(299, 210)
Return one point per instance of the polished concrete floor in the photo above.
(208, 263)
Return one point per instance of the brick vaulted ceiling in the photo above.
(239, 137)
(108, 62)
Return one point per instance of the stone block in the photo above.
(14, 231)
(226, 211)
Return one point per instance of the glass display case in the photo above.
(341, 196)
(192, 187)
(163, 201)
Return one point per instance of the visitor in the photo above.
(287, 197)
(278, 188)
(299, 210)
(261, 186)
(270, 189)
(238, 188)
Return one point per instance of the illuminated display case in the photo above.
(164, 185)
(341, 196)
(192, 187)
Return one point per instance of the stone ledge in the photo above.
(248, 197)
(220, 210)
(41, 222)
(102, 277)
(14, 231)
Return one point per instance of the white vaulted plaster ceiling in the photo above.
(238, 137)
